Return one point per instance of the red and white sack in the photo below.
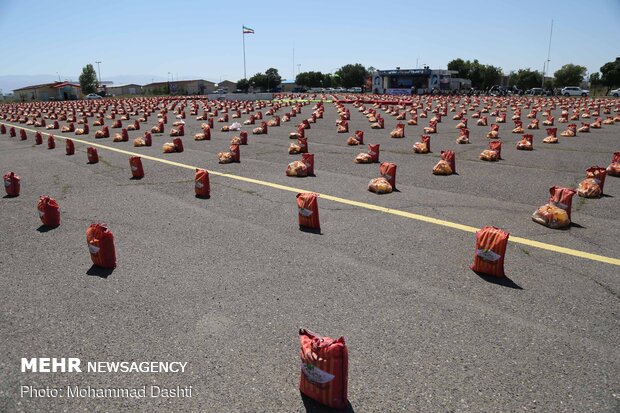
(135, 163)
(388, 171)
(324, 369)
(22, 135)
(69, 147)
(11, 184)
(614, 167)
(100, 243)
(308, 210)
(446, 165)
(308, 160)
(49, 212)
(490, 251)
(202, 185)
(178, 144)
(51, 143)
(373, 151)
(424, 146)
(91, 152)
(234, 152)
(562, 198)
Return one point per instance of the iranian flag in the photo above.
(247, 30)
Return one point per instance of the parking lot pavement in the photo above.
(224, 283)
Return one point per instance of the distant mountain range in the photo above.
(8, 83)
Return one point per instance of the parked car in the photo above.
(299, 89)
(92, 96)
(574, 91)
(615, 93)
(316, 90)
(355, 90)
(535, 91)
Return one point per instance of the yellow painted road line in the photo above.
(364, 205)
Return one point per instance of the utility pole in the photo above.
(548, 55)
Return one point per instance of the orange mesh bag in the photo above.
(11, 184)
(324, 369)
(380, 186)
(137, 171)
(308, 210)
(101, 245)
(49, 212)
(202, 185)
(297, 168)
(551, 216)
(589, 188)
(490, 251)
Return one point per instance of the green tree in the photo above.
(526, 78)
(310, 79)
(352, 75)
(492, 75)
(273, 78)
(243, 84)
(611, 74)
(595, 79)
(569, 75)
(460, 66)
(88, 79)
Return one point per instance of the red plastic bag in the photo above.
(22, 135)
(93, 157)
(69, 147)
(2, 129)
(137, 171)
(51, 143)
(49, 211)
(598, 174)
(373, 151)
(243, 137)
(388, 171)
(497, 147)
(148, 139)
(359, 135)
(12, 132)
(490, 251)
(202, 185)
(38, 138)
(11, 184)
(324, 369)
(101, 245)
(308, 210)
(562, 198)
(308, 159)
(178, 144)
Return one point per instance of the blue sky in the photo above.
(203, 38)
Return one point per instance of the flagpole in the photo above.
(244, 72)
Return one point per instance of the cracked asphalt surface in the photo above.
(225, 283)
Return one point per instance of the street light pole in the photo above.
(99, 72)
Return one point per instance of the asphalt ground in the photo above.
(225, 283)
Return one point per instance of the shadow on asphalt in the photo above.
(316, 407)
(45, 228)
(573, 225)
(503, 281)
(96, 271)
(202, 197)
(310, 230)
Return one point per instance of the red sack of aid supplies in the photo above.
(308, 209)
(324, 369)
(69, 147)
(11, 184)
(49, 211)
(101, 245)
(308, 160)
(562, 198)
(388, 171)
(373, 151)
(137, 172)
(51, 143)
(490, 251)
(91, 152)
(202, 185)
